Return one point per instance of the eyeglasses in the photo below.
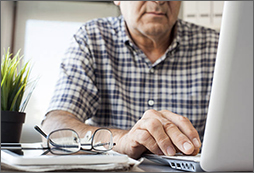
(67, 141)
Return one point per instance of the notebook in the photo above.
(228, 138)
(33, 160)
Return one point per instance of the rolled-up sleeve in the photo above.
(75, 90)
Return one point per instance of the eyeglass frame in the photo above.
(96, 151)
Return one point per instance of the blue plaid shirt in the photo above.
(107, 79)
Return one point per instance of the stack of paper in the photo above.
(33, 161)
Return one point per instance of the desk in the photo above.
(146, 166)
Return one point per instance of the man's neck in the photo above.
(154, 47)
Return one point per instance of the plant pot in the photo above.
(11, 126)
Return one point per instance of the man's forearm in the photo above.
(62, 119)
(161, 132)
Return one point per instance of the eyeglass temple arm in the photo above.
(45, 135)
(40, 131)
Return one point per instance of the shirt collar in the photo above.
(124, 33)
(176, 40)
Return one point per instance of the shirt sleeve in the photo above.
(76, 90)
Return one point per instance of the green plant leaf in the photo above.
(15, 98)
(14, 74)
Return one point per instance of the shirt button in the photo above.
(150, 102)
(152, 70)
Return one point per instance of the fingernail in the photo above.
(196, 142)
(187, 146)
(171, 151)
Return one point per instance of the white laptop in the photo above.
(228, 139)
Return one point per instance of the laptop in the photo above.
(228, 138)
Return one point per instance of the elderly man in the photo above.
(145, 75)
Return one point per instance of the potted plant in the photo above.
(14, 75)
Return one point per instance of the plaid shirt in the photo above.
(107, 79)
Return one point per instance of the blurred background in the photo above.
(43, 29)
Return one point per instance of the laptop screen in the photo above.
(228, 139)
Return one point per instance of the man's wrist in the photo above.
(118, 135)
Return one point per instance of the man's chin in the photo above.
(155, 30)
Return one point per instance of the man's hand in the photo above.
(161, 132)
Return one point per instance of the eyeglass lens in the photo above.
(64, 142)
(102, 140)
(67, 141)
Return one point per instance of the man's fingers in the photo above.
(165, 132)
(163, 127)
(180, 140)
(144, 138)
(185, 126)
(194, 153)
(159, 136)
